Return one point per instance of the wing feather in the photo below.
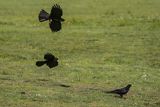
(56, 12)
(55, 25)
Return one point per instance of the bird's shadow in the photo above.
(54, 84)
(63, 85)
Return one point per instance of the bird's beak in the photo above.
(56, 59)
(62, 20)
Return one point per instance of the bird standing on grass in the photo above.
(54, 17)
(50, 61)
(121, 91)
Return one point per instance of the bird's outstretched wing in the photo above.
(55, 25)
(56, 12)
(49, 56)
(52, 64)
(43, 15)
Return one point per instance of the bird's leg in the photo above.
(121, 96)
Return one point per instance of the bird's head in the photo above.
(129, 85)
(55, 58)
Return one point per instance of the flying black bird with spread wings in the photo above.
(50, 60)
(54, 17)
(121, 91)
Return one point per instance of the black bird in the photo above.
(121, 91)
(50, 61)
(54, 17)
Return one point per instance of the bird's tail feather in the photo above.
(109, 91)
(43, 16)
(40, 63)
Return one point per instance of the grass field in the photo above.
(104, 44)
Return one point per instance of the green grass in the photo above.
(104, 44)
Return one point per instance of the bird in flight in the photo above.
(54, 17)
(121, 91)
(50, 60)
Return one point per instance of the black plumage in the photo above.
(121, 91)
(54, 17)
(55, 26)
(50, 60)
